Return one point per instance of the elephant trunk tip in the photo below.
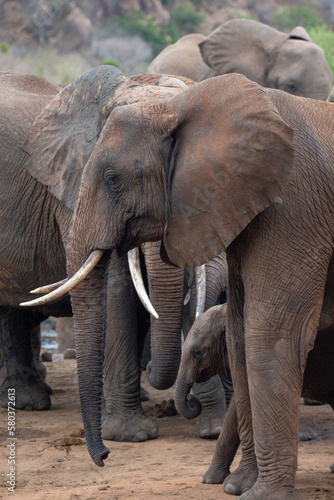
(98, 453)
(186, 404)
(159, 380)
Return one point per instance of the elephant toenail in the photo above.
(140, 436)
(230, 488)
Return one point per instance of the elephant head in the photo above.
(289, 62)
(203, 355)
(193, 168)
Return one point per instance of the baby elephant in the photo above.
(204, 354)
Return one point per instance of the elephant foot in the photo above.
(133, 428)
(306, 433)
(31, 392)
(215, 475)
(263, 491)
(241, 480)
(212, 396)
(209, 425)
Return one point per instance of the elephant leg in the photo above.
(281, 319)
(125, 419)
(18, 368)
(226, 448)
(243, 478)
(228, 388)
(212, 396)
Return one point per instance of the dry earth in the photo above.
(168, 467)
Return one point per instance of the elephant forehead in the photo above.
(298, 50)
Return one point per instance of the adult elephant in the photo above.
(250, 173)
(34, 236)
(289, 62)
(204, 354)
(183, 58)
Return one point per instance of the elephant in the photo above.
(204, 353)
(215, 394)
(225, 165)
(35, 224)
(289, 62)
(183, 58)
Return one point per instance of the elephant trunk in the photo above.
(88, 301)
(89, 329)
(186, 404)
(166, 294)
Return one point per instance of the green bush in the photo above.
(4, 47)
(297, 15)
(137, 22)
(323, 36)
(186, 18)
(109, 62)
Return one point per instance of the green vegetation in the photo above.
(297, 15)
(323, 36)
(4, 47)
(137, 22)
(109, 62)
(184, 19)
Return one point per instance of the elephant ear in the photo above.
(300, 33)
(63, 136)
(240, 46)
(232, 157)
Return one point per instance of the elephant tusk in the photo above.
(80, 275)
(187, 298)
(200, 289)
(137, 278)
(49, 288)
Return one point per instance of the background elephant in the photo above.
(204, 353)
(34, 238)
(183, 58)
(263, 151)
(289, 62)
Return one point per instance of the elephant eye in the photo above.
(291, 88)
(197, 354)
(112, 182)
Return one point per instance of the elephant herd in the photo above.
(235, 172)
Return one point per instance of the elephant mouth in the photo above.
(203, 376)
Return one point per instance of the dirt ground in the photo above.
(170, 466)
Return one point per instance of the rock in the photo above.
(77, 30)
(46, 356)
(70, 353)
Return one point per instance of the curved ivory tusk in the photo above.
(49, 288)
(187, 298)
(137, 278)
(80, 275)
(200, 289)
